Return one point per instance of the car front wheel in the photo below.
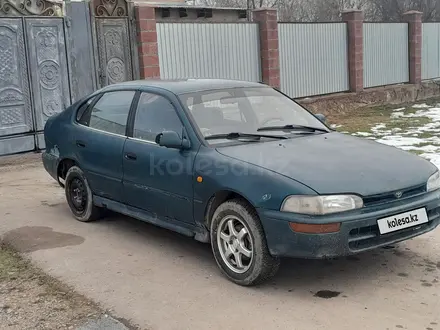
(239, 244)
(79, 196)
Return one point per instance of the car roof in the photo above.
(183, 86)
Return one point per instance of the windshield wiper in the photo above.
(237, 135)
(291, 127)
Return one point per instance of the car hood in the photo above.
(337, 163)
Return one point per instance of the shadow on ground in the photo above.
(362, 272)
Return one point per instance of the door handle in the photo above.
(80, 144)
(130, 156)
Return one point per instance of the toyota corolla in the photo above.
(238, 165)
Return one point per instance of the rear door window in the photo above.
(110, 113)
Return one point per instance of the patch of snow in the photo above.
(433, 139)
(363, 134)
(418, 106)
(430, 148)
(400, 109)
(409, 139)
(378, 127)
(430, 127)
(397, 114)
(400, 141)
(335, 126)
(433, 158)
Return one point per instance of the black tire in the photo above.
(83, 210)
(263, 265)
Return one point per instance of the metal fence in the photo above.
(430, 50)
(313, 58)
(209, 50)
(386, 58)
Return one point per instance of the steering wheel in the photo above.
(271, 119)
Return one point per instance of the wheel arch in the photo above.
(219, 198)
(63, 167)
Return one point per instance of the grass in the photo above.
(31, 299)
(25, 289)
(363, 119)
(12, 265)
(425, 144)
(432, 101)
(360, 120)
(416, 152)
(407, 123)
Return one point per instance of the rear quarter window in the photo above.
(81, 113)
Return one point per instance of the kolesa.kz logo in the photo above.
(402, 221)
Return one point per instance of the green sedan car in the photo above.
(238, 165)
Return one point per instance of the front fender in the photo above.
(259, 186)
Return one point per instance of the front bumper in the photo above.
(359, 231)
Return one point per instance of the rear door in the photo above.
(99, 141)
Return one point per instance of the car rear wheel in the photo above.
(79, 196)
(239, 244)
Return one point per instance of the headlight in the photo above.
(433, 182)
(321, 204)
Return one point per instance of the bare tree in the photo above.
(330, 10)
(392, 10)
(250, 4)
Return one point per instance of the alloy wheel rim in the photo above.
(78, 195)
(235, 244)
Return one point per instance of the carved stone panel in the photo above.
(15, 110)
(113, 50)
(48, 64)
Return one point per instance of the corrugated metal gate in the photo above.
(431, 51)
(209, 50)
(386, 54)
(313, 58)
(34, 81)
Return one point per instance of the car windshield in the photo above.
(256, 110)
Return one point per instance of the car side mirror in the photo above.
(171, 139)
(321, 118)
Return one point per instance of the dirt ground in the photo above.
(29, 299)
(161, 280)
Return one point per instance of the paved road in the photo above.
(161, 280)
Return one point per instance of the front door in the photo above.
(99, 142)
(157, 179)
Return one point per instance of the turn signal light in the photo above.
(315, 228)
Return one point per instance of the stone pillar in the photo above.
(355, 23)
(147, 42)
(414, 19)
(270, 59)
